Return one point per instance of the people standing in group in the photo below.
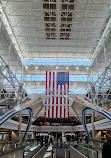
(106, 151)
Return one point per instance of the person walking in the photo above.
(106, 151)
(86, 139)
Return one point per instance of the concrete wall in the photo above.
(15, 135)
(97, 135)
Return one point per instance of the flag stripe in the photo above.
(60, 111)
(68, 100)
(56, 111)
(51, 88)
(60, 94)
(59, 101)
(55, 87)
(53, 94)
(64, 112)
(46, 94)
(62, 101)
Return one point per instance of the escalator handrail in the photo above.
(84, 156)
(87, 148)
(95, 148)
(38, 151)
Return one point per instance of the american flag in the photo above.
(57, 85)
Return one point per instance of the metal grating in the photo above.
(58, 18)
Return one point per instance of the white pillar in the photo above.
(93, 113)
(105, 60)
(93, 126)
(20, 125)
(97, 66)
(0, 26)
(16, 66)
(9, 53)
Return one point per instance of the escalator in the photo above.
(87, 150)
(67, 151)
(57, 150)
(41, 153)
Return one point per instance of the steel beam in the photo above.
(102, 40)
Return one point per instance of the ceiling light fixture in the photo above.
(26, 67)
(77, 68)
(67, 68)
(36, 67)
(56, 67)
(74, 84)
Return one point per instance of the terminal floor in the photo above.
(15, 154)
(60, 152)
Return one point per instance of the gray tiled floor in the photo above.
(16, 154)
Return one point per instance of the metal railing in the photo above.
(89, 150)
(10, 146)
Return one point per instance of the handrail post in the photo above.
(23, 153)
(52, 153)
(97, 153)
(69, 151)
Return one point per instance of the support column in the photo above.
(93, 126)
(91, 77)
(2, 62)
(2, 136)
(16, 66)
(56, 139)
(9, 53)
(20, 118)
(20, 125)
(19, 97)
(97, 65)
(22, 73)
(0, 89)
(105, 60)
(93, 113)
(0, 26)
